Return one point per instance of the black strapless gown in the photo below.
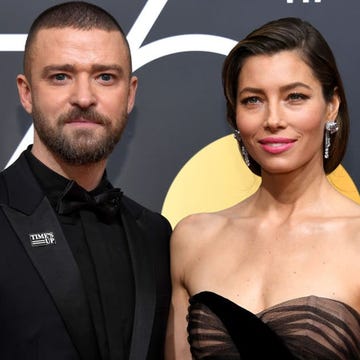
(305, 328)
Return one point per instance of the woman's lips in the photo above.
(276, 145)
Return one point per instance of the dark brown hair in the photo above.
(74, 14)
(291, 34)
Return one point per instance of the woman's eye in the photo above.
(297, 97)
(251, 100)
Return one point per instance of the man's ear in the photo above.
(24, 91)
(132, 93)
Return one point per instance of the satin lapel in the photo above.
(145, 293)
(58, 269)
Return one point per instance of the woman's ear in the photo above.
(333, 106)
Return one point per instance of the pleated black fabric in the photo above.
(305, 328)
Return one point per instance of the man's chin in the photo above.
(77, 158)
(85, 134)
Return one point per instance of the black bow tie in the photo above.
(75, 198)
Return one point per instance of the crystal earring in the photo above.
(244, 152)
(245, 155)
(237, 135)
(331, 127)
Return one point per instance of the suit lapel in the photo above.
(54, 261)
(145, 296)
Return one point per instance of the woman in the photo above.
(277, 275)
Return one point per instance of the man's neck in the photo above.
(87, 176)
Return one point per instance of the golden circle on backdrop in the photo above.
(216, 178)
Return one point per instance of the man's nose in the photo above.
(83, 93)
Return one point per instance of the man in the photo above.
(84, 271)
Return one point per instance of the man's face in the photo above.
(79, 93)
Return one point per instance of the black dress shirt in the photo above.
(101, 251)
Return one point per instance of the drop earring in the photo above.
(243, 150)
(331, 127)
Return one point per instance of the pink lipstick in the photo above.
(276, 145)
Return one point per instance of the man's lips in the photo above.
(276, 145)
(83, 121)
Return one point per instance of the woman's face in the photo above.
(281, 112)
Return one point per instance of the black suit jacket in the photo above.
(42, 299)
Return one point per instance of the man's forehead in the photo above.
(79, 48)
(76, 34)
(63, 42)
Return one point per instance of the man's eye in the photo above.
(106, 77)
(60, 77)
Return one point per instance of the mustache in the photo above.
(89, 114)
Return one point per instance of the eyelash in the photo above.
(251, 100)
(297, 96)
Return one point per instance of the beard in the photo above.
(82, 146)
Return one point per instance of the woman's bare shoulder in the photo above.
(347, 209)
(203, 228)
(204, 223)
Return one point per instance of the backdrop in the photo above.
(178, 124)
